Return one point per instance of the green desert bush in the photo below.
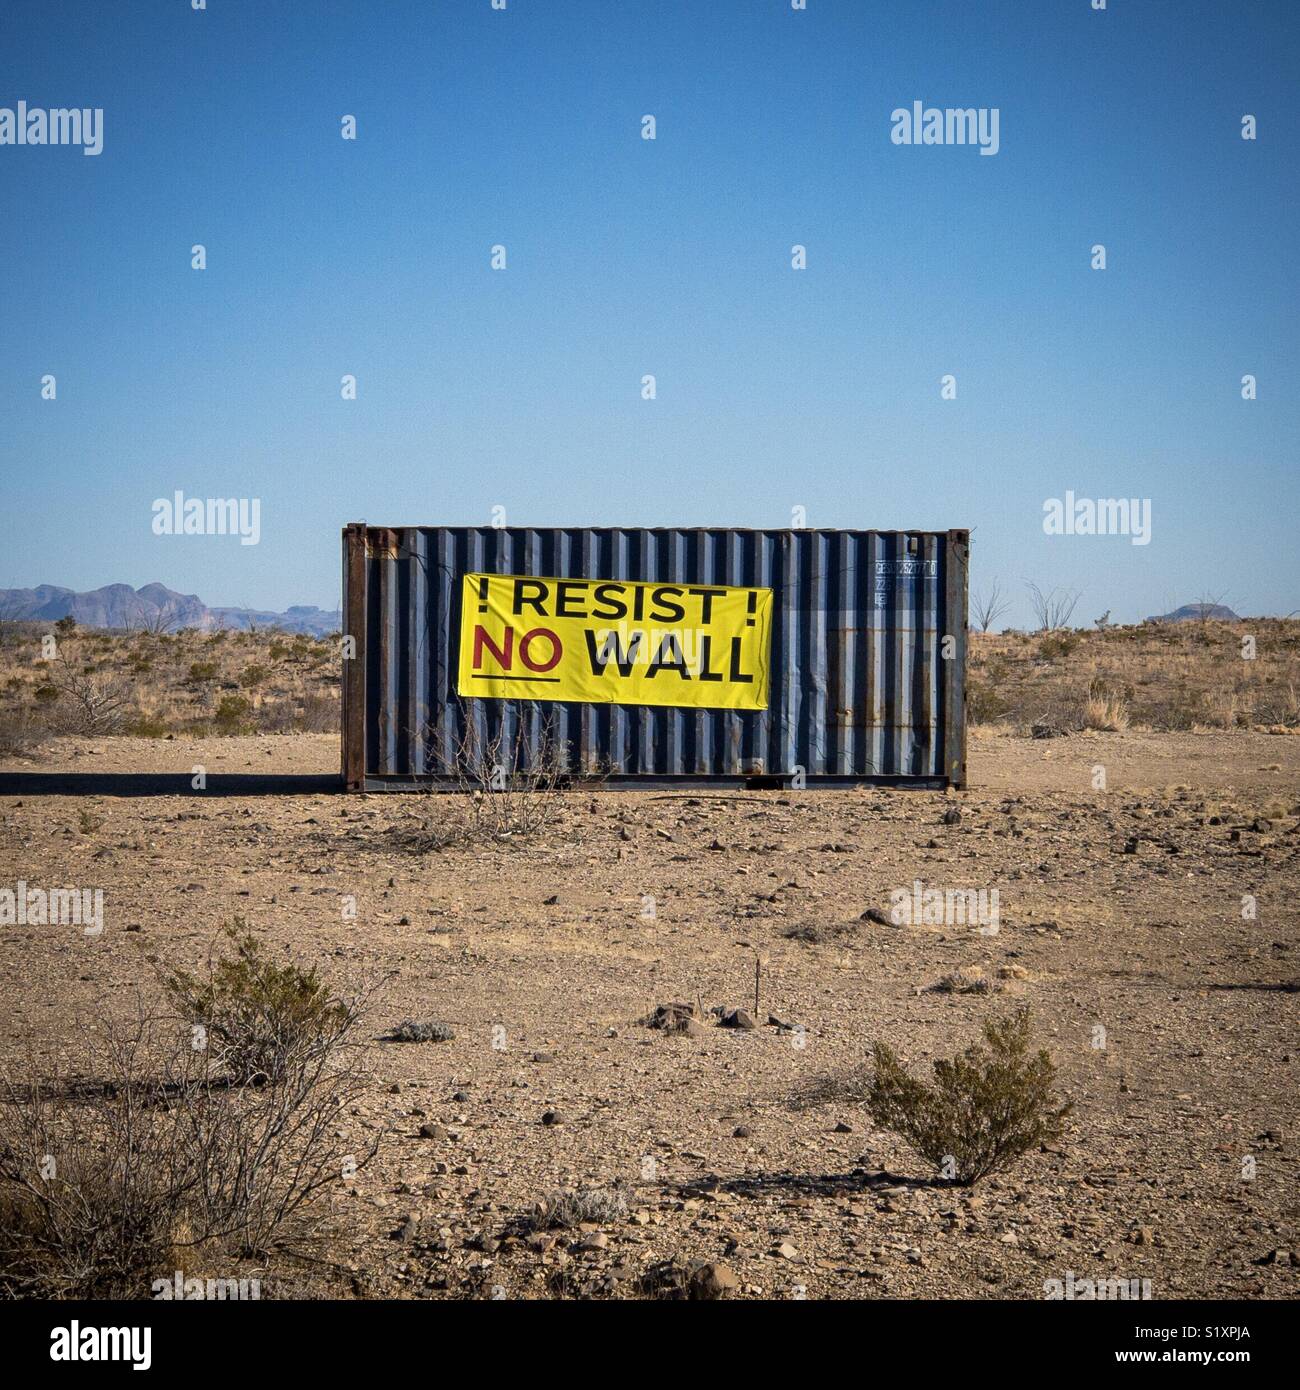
(988, 1105)
(1057, 645)
(231, 714)
(257, 1016)
(983, 703)
(147, 726)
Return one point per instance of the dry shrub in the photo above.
(967, 980)
(21, 733)
(1280, 708)
(317, 714)
(160, 1164)
(983, 703)
(570, 1207)
(988, 1106)
(412, 1030)
(506, 790)
(89, 703)
(849, 1087)
(820, 933)
(260, 1019)
(1106, 708)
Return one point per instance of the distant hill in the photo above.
(154, 607)
(1197, 613)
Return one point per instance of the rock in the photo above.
(874, 914)
(551, 901)
(786, 1251)
(597, 1240)
(432, 1131)
(742, 1132)
(736, 1018)
(543, 1057)
(674, 1018)
(843, 1128)
(711, 1281)
(552, 1117)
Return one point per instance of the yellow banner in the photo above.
(608, 641)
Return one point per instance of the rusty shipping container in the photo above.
(866, 681)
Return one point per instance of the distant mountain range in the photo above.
(153, 608)
(1197, 613)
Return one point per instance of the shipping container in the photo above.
(860, 637)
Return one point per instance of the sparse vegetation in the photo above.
(987, 606)
(231, 715)
(88, 703)
(570, 1207)
(505, 795)
(988, 1105)
(21, 733)
(414, 1031)
(154, 684)
(156, 1163)
(1054, 608)
(1105, 708)
(966, 981)
(260, 1019)
(1164, 677)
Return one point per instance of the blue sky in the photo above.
(775, 388)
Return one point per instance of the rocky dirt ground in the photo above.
(1120, 909)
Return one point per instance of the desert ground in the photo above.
(1169, 1007)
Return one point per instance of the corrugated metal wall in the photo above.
(859, 688)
